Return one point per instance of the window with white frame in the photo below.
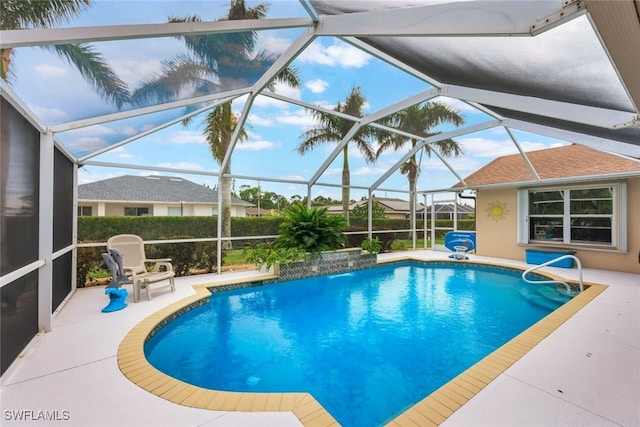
(135, 211)
(585, 215)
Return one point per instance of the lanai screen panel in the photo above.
(566, 63)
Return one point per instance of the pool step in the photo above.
(534, 297)
(553, 294)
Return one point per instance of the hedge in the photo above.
(190, 256)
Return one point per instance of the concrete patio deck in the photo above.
(585, 373)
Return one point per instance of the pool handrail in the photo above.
(552, 261)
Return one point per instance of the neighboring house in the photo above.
(152, 195)
(586, 201)
(255, 211)
(446, 211)
(393, 208)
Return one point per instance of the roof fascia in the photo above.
(53, 36)
(575, 180)
(595, 116)
(587, 140)
(477, 18)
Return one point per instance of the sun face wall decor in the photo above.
(497, 210)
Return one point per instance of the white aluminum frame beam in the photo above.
(148, 132)
(594, 142)
(53, 36)
(478, 18)
(594, 116)
(368, 119)
(7, 93)
(63, 127)
(435, 138)
(522, 153)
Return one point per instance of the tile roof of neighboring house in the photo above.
(561, 162)
(448, 208)
(151, 189)
(389, 204)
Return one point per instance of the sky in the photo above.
(329, 68)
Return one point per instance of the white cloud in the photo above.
(273, 44)
(338, 54)
(93, 131)
(187, 137)
(257, 120)
(134, 72)
(256, 145)
(49, 71)
(483, 147)
(180, 165)
(301, 118)
(317, 85)
(49, 115)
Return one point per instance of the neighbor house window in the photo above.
(136, 211)
(85, 211)
(594, 215)
(174, 211)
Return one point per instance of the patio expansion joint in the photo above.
(70, 368)
(562, 398)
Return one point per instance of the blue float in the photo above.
(460, 242)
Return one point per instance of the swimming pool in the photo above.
(366, 345)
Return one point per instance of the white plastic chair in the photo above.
(132, 249)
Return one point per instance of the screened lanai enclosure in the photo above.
(128, 87)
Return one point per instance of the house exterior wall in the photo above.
(159, 209)
(497, 234)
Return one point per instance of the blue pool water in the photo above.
(367, 345)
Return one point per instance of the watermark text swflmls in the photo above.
(36, 415)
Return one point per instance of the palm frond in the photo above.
(94, 69)
(17, 14)
(176, 76)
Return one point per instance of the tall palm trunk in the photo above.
(346, 183)
(413, 177)
(225, 187)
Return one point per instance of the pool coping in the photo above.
(433, 410)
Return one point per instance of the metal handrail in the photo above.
(566, 285)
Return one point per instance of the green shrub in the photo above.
(181, 254)
(372, 246)
(310, 229)
(265, 254)
(88, 259)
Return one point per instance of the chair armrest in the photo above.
(161, 262)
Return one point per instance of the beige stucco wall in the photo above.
(497, 234)
(160, 209)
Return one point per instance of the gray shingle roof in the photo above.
(151, 189)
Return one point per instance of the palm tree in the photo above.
(231, 59)
(419, 120)
(20, 14)
(331, 128)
